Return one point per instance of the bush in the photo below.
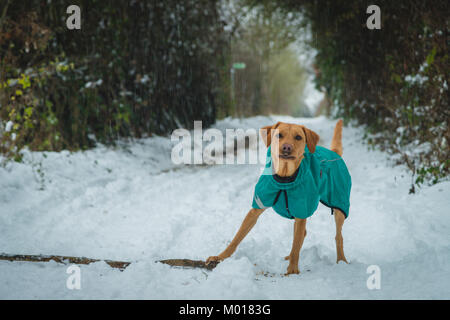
(135, 68)
(394, 80)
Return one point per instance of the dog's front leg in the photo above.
(247, 225)
(299, 236)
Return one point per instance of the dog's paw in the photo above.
(215, 259)
(292, 269)
(341, 259)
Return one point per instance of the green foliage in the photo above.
(273, 80)
(135, 68)
(285, 84)
(394, 80)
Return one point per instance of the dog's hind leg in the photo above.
(336, 142)
(339, 218)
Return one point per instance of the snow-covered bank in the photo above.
(131, 203)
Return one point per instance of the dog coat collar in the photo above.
(286, 179)
(322, 176)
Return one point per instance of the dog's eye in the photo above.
(298, 137)
(279, 136)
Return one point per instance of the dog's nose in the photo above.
(286, 148)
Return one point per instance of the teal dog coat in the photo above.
(322, 176)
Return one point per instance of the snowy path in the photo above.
(128, 204)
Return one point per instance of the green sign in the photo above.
(239, 65)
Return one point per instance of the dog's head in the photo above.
(288, 143)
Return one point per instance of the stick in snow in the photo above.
(121, 265)
(186, 263)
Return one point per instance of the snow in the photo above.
(94, 84)
(9, 126)
(131, 203)
(416, 79)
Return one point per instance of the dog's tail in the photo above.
(336, 142)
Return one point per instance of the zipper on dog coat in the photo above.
(321, 177)
(286, 201)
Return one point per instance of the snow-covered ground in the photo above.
(131, 203)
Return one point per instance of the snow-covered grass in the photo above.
(131, 203)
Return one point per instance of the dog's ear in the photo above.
(266, 133)
(312, 139)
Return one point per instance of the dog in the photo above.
(304, 174)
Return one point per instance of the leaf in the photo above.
(29, 125)
(396, 78)
(430, 57)
(25, 81)
(28, 112)
(48, 103)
